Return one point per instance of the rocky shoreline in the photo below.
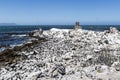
(10, 55)
(66, 54)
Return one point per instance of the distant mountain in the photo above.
(7, 24)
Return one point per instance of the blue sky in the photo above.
(60, 11)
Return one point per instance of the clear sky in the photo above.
(60, 11)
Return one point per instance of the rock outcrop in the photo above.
(69, 55)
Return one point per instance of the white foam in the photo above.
(61, 30)
(2, 49)
(13, 45)
(20, 35)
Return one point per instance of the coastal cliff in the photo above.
(68, 54)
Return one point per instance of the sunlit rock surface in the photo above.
(69, 55)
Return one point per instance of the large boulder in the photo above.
(37, 33)
(113, 30)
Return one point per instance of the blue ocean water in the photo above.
(15, 35)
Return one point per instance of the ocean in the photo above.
(11, 36)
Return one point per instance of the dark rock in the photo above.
(106, 41)
(57, 69)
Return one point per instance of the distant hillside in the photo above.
(7, 24)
